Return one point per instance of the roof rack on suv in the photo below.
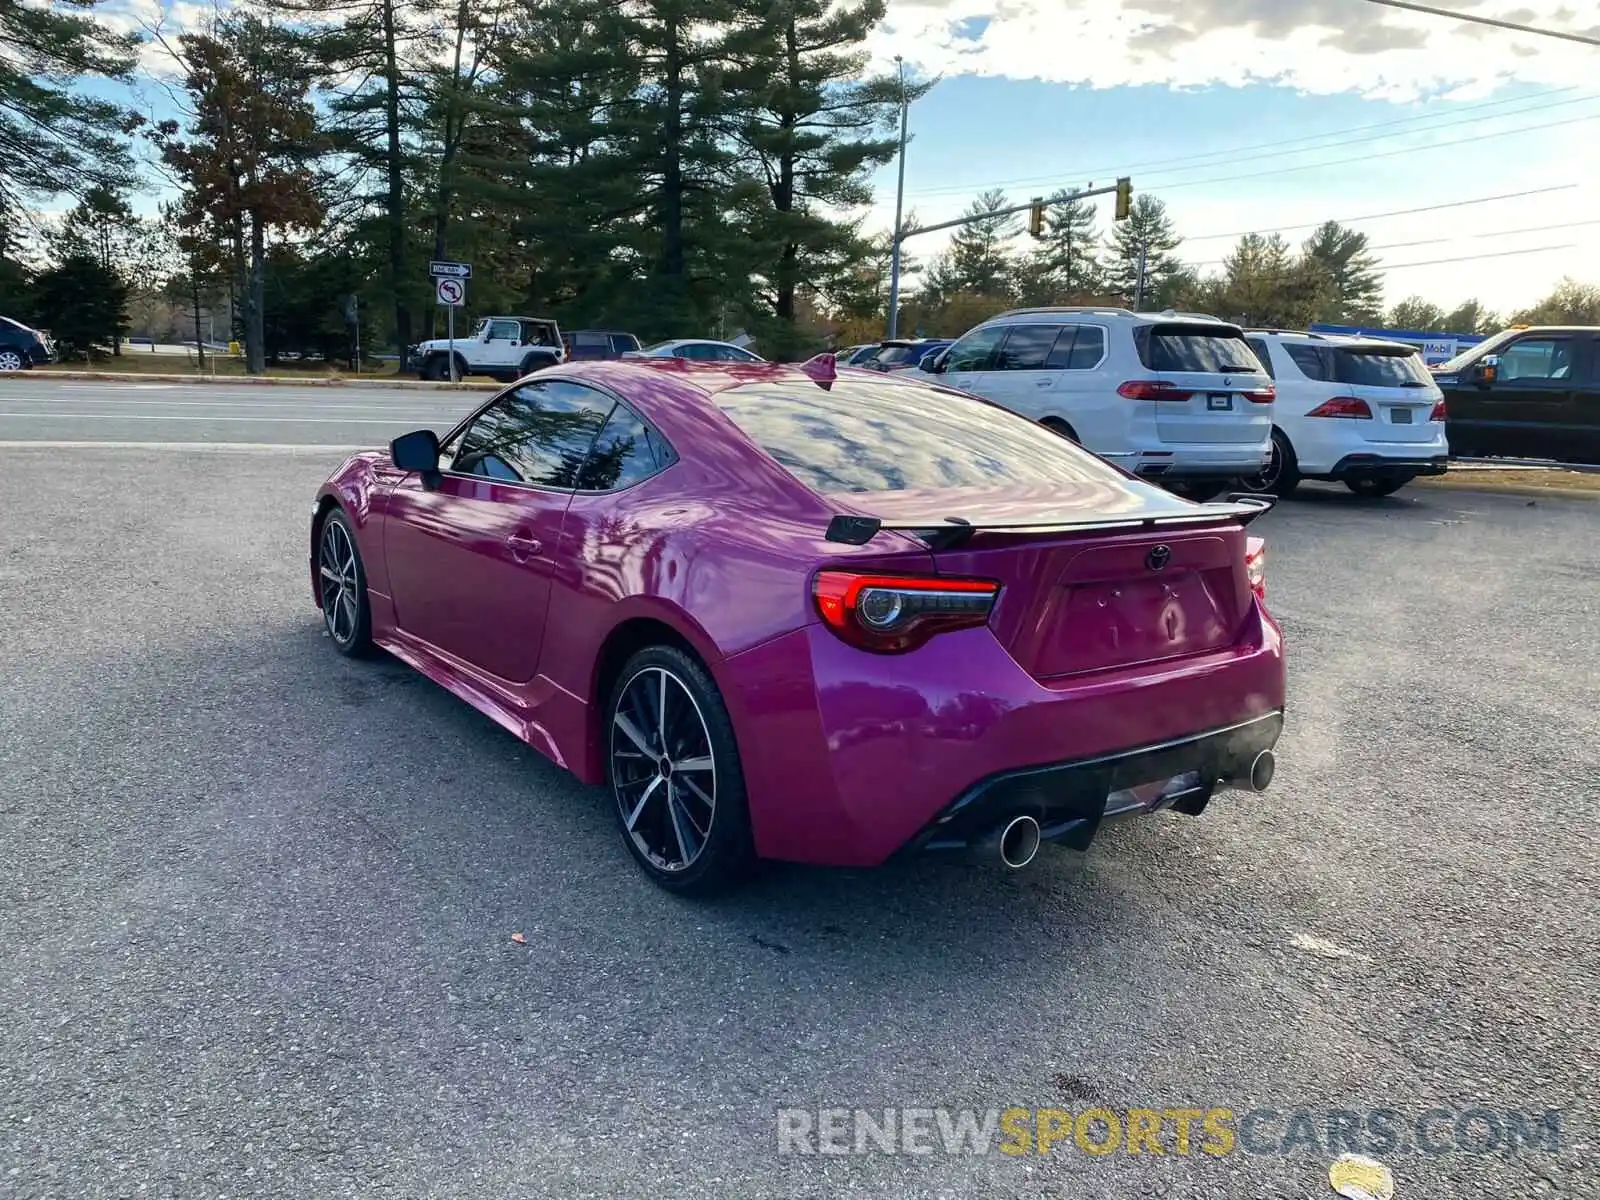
(1170, 313)
(1102, 309)
(1305, 333)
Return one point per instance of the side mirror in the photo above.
(1486, 370)
(417, 451)
(934, 364)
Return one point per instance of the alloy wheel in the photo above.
(663, 772)
(10, 360)
(336, 562)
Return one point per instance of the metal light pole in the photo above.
(899, 203)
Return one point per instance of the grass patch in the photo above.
(1531, 481)
(135, 362)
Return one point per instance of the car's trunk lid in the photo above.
(1162, 580)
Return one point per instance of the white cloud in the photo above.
(1316, 46)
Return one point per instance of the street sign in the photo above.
(450, 270)
(451, 292)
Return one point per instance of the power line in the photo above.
(1397, 212)
(1432, 262)
(1339, 162)
(1340, 137)
(1217, 262)
(1581, 38)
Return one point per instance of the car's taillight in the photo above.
(1438, 413)
(1255, 566)
(893, 613)
(1264, 395)
(1152, 389)
(1349, 408)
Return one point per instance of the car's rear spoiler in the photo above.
(850, 530)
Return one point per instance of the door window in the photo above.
(538, 434)
(505, 331)
(1537, 360)
(975, 351)
(624, 453)
(1027, 347)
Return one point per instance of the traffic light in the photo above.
(1036, 218)
(1124, 197)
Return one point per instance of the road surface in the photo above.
(69, 411)
(257, 901)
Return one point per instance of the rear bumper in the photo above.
(1366, 463)
(850, 757)
(1212, 461)
(1071, 799)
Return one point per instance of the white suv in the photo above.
(1174, 397)
(1360, 411)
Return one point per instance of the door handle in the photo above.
(1044, 383)
(523, 545)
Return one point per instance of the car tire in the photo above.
(688, 838)
(435, 368)
(1058, 426)
(1282, 476)
(12, 360)
(1374, 487)
(346, 612)
(532, 363)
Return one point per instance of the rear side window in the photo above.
(1195, 348)
(879, 437)
(1309, 360)
(621, 343)
(1380, 368)
(1079, 348)
(624, 452)
(591, 341)
(1263, 353)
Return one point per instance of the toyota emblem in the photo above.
(1158, 557)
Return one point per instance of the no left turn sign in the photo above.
(451, 292)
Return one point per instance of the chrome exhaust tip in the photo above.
(1019, 842)
(1261, 771)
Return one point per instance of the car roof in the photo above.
(1103, 310)
(1302, 337)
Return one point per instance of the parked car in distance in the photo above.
(1526, 393)
(590, 345)
(900, 354)
(847, 357)
(1176, 397)
(503, 348)
(1360, 411)
(698, 350)
(807, 614)
(22, 347)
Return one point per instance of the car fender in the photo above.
(359, 487)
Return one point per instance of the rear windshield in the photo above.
(1196, 348)
(1380, 368)
(895, 355)
(884, 437)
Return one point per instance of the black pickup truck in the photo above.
(1526, 393)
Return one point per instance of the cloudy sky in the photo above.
(1259, 115)
(1273, 115)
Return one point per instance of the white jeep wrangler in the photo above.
(503, 348)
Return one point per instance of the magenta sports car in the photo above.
(825, 616)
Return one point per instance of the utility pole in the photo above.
(1138, 287)
(899, 205)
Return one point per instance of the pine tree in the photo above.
(1070, 248)
(52, 138)
(1417, 315)
(980, 258)
(1149, 228)
(810, 129)
(1357, 292)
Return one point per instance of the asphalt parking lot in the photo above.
(257, 901)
